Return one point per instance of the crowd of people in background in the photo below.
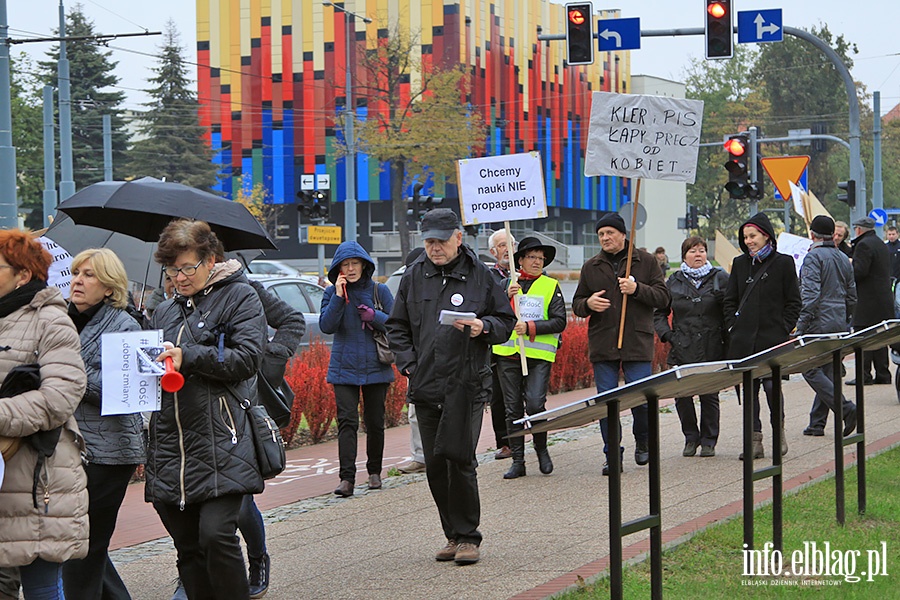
(466, 335)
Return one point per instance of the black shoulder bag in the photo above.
(385, 356)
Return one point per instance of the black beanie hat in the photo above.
(611, 220)
(823, 225)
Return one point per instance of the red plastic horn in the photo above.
(172, 380)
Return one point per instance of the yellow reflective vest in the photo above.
(544, 345)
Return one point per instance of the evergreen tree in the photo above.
(172, 144)
(90, 79)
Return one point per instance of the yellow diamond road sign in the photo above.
(782, 169)
(323, 234)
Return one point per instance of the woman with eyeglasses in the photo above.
(201, 459)
(43, 501)
(542, 312)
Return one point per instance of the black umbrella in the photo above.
(142, 208)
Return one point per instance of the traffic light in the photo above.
(472, 230)
(321, 203)
(738, 167)
(579, 34)
(304, 202)
(719, 29)
(848, 198)
(692, 219)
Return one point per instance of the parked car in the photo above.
(303, 293)
(272, 268)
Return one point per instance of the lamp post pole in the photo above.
(349, 116)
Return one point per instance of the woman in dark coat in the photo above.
(697, 334)
(348, 312)
(201, 459)
(764, 316)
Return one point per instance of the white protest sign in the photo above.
(794, 246)
(130, 381)
(501, 188)
(60, 272)
(531, 308)
(644, 137)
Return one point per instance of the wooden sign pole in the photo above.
(634, 212)
(513, 277)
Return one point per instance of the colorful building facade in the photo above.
(276, 82)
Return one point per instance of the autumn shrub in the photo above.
(572, 369)
(395, 400)
(313, 396)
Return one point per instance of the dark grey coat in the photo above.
(115, 439)
(872, 271)
(697, 333)
(827, 290)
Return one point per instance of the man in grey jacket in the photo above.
(828, 293)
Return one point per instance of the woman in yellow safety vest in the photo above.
(542, 317)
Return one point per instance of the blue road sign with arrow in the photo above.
(879, 216)
(757, 26)
(619, 34)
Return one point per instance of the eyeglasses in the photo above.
(188, 271)
(534, 257)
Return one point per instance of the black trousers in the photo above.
(347, 399)
(707, 434)
(498, 409)
(94, 577)
(524, 394)
(878, 359)
(210, 562)
(454, 487)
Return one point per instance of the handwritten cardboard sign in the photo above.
(60, 272)
(643, 137)
(129, 386)
(494, 189)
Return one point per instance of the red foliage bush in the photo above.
(395, 400)
(572, 369)
(313, 396)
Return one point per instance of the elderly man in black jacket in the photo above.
(872, 271)
(432, 355)
(828, 293)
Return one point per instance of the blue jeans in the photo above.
(606, 376)
(252, 527)
(42, 580)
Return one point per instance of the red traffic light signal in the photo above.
(719, 32)
(736, 146)
(738, 167)
(579, 34)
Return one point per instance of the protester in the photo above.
(762, 303)
(159, 295)
(416, 463)
(201, 460)
(599, 296)
(663, 259)
(348, 312)
(893, 246)
(828, 293)
(430, 354)
(872, 272)
(841, 233)
(498, 246)
(541, 329)
(43, 520)
(114, 445)
(696, 334)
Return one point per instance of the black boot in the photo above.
(543, 456)
(259, 575)
(517, 446)
(515, 471)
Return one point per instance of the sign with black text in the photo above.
(643, 137)
(494, 189)
(129, 372)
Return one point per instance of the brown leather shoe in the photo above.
(345, 489)
(374, 481)
(448, 552)
(467, 553)
(412, 466)
(502, 453)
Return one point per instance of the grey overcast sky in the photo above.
(874, 31)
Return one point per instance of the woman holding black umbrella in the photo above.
(43, 520)
(114, 445)
(201, 459)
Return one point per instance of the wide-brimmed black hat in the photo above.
(532, 243)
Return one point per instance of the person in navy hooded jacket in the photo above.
(349, 313)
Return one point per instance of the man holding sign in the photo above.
(447, 313)
(599, 296)
(542, 312)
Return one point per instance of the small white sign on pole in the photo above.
(643, 137)
(129, 373)
(60, 272)
(531, 308)
(494, 189)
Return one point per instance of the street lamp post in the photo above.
(349, 116)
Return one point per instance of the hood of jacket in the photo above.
(761, 221)
(351, 250)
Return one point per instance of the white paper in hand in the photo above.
(449, 317)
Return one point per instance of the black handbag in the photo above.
(278, 401)
(270, 456)
(385, 356)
